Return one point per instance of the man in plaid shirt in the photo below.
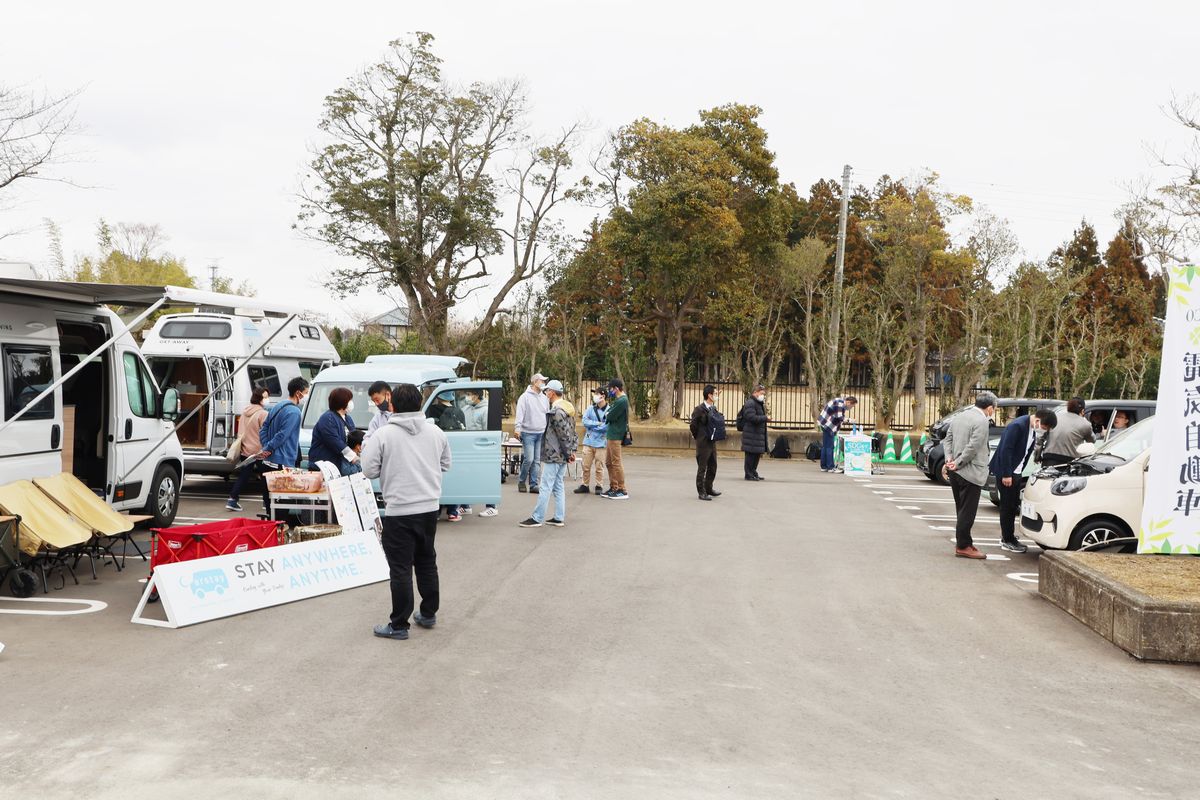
(831, 420)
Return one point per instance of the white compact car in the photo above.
(1092, 500)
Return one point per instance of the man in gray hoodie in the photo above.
(409, 455)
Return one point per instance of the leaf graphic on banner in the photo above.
(1159, 530)
(1165, 548)
(1190, 273)
(1194, 336)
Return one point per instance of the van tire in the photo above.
(163, 502)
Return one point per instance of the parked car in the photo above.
(930, 457)
(1094, 499)
(1101, 414)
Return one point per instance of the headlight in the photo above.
(1064, 486)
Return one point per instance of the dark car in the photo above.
(930, 458)
(1101, 413)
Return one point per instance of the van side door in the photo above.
(137, 429)
(222, 406)
(469, 413)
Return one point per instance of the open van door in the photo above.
(469, 412)
(222, 406)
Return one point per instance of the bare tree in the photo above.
(34, 129)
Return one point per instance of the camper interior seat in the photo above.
(50, 537)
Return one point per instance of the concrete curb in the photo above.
(1147, 628)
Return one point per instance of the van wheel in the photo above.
(164, 497)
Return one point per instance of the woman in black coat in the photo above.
(754, 432)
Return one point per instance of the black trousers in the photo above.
(408, 545)
(706, 465)
(751, 464)
(1010, 502)
(966, 504)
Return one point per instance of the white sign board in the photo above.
(857, 454)
(221, 586)
(353, 502)
(1171, 513)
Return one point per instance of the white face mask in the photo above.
(349, 406)
(596, 398)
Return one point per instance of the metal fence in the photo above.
(789, 405)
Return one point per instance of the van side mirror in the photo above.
(169, 403)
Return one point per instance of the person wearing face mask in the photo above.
(280, 435)
(1013, 453)
(530, 427)
(381, 397)
(330, 433)
(595, 426)
(708, 428)
(250, 424)
(754, 431)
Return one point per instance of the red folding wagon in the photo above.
(189, 542)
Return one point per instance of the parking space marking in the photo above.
(936, 501)
(1024, 577)
(92, 606)
(881, 491)
(950, 518)
(909, 508)
(202, 519)
(906, 487)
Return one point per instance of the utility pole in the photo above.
(212, 281)
(839, 263)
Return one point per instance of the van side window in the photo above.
(265, 376)
(309, 332)
(143, 395)
(27, 373)
(309, 370)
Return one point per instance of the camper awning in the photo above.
(128, 295)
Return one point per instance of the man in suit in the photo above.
(1013, 453)
(966, 446)
(708, 428)
(1073, 429)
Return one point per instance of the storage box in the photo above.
(305, 533)
(189, 542)
(294, 481)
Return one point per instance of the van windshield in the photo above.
(318, 404)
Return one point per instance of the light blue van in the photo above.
(475, 434)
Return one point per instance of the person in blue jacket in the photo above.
(1015, 450)
(330, 433)
(280, 435)
(595, 426)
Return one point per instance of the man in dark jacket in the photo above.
(754, 431)
(1015, 451)
(708, 428)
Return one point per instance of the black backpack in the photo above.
(782, 448)
(814, 451)
(740, 422)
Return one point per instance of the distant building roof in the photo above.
(397, 316)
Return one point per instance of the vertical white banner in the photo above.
(1171, 514)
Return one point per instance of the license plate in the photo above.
(1027, 510)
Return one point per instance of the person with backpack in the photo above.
(752, 422)
(708, 428)
(280, 436)
(558, 450)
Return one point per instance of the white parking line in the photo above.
(935, 501)
(930, 488)
(92, 606)
(945, 518)
(881, 491)
(1024, 577)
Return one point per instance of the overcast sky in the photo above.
(199, 117)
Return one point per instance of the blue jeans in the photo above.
(531, 454)
(827, 440)
(553, 476)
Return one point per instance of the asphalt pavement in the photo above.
(807, 636)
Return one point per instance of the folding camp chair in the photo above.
(110, 527)
(48, 535)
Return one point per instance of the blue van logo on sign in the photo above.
(208, 580)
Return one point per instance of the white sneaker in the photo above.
(488, 512)
(465, 510)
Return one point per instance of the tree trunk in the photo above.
(664, 383)
(679, 392)
(918, 373)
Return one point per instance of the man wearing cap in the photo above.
(530, 427)
(618, 428)
(558, 450)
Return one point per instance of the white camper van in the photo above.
(197, 353)
(105, 423)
